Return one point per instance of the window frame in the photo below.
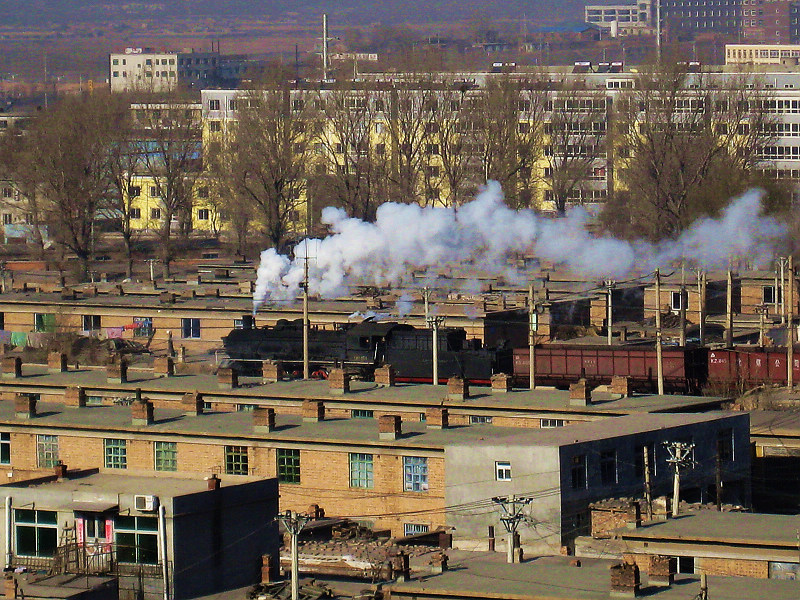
(5, 448)
(39, 527)
(362, 470)
(115, 453)
(237, 460)
(46, 450)
(190, 328)
(415, 474)
(165, 456)
(578, 472)
(502, 470)
(142, 528)
(609, 469)
(288, 465)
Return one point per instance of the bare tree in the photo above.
(169, 130)
(685, 144)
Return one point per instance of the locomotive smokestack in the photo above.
(248, 321)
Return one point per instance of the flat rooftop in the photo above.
(487, 575)
(37, 379)
(239, 424)
(780, 423)
(757, 529)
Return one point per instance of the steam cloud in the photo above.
(484, 232)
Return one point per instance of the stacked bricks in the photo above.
(56, 362)
(389, 427)
(227, 379)
(263, 419)
(580, 394)
(662, 569)
(192, 403)
(271, 371)
(501, 383)
(338, 382)
(117, 372)
(164, 366)
(24, 407)
(437, 418)
(384, 376)
(313, 411)
(457, 389)
(625, 580)
(620, 386)
(142, 412)
(12, 367)
(74, 397)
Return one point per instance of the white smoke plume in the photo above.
(483, 233)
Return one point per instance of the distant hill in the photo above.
(355, 12)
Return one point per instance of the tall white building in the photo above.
(142, 69)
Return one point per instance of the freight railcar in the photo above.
(747, 368)
(685, 369)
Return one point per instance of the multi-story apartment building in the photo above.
(637, 18)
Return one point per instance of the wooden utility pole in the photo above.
(790, 326)
(729, 311)
(659, 351)
(532, 326)
(609, 288)
(306, 323)
(701, 305)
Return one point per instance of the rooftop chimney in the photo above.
(384, 376)
(580, 394)
(164, 366)
(457, 389)
(620, 386)
(338, 382)
(60, 470)
(389, 427)
(117, 372)
(12, 367)
(437, 417)
(142, 412)
(24, 407)
(625, 580)
(213, 482)
(56, 362)
(313, 411)
(192, 403)
(263, 419)
(662, 570)
(501, 383)
(227, 379)
(271, 371)
(74, 396)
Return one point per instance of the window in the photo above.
(414, 528)
(769, 296)
(213, 105)
(236, 460)
(166, 456)
(134, 191)
(44, 322)
(638, 460)
(136, 539)
(154, 192)
(8, 192)
(91, 322)
(608, 467)
(36, 532)
(480, 420)
(155, 213)
(361, 471)
(47, 451)
(214, 126)
(116, 453)
(551, 423)
(358, 413)
(502, 471)
(5, 448)
(203, 214)
(190, 328)
(415, 474)
(7, 219)
(725, 444)
(578, 472)
(142, 326)
(288, 466)
(676, 300)
(135, 213)
(94, 400)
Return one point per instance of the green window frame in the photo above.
(288, 465)
(115, 452)
(44, 322)
(46, 451)
(236, 462)
(5, 448)
(36, 532)
(165, 456)
(361, 471)
(136, 540)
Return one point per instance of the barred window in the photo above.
(236, 460)
(361, 471)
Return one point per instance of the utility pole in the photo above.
(658, 32)
(763, 311)
(609, 288)
(682, 311)
(701, 305)
(729, 311)
(306, 323)
(532, 327)
(426, 293)
(512, 515)
(659, 350)
(679, 458)
(294, 524)
(325, 40)
(433, 323)
(790, 325)
(648, 490)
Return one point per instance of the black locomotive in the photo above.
(367, 345)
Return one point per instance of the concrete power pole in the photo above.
(609, 289)
(532, 327)
(294, 524)
(434, 322)
(659, 350)
(790, 325)
(306, 323)
(679, 458)
(512, 515)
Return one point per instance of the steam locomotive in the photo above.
(364, 346)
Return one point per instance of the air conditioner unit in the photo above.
(144, 503)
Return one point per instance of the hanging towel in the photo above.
(37, 340)
(113, 332)
(19, 339)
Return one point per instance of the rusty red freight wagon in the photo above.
(750, 367)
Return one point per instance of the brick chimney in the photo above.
(60, 470)
(12, 367)
(620, 386)
(213, 482)
(580, 394)
(313, 411)
(457, 389)
(117, 372)
(227, 379)
(625, 580)
(501, 383)
(437, 417)
(338, 382)
(662, 569)
(271, 371)
(74, 396)
(24, 407)
(263, 419)
(56, 362)
(633, 516)
(141, 412)
(384, 376)
(164, 366)
(389, 427)
(10, 586)
(192, 403)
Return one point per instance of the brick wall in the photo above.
(734, 567)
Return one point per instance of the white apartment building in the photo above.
(762, 54)
(142, 69)
(636, 18)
